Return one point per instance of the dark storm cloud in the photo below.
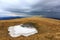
(48, 8)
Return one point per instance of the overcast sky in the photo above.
(8, 7)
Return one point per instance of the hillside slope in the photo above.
(48, 29)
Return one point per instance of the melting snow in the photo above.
(18, 30)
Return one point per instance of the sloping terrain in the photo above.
(49, 29)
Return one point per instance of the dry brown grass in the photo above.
(48, 29)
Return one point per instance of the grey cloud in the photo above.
(49, 8)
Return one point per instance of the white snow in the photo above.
(18, 30)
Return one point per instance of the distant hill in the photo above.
(11, 17)
(16, 17)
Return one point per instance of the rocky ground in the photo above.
(48, 29)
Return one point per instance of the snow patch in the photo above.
(19, 30)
